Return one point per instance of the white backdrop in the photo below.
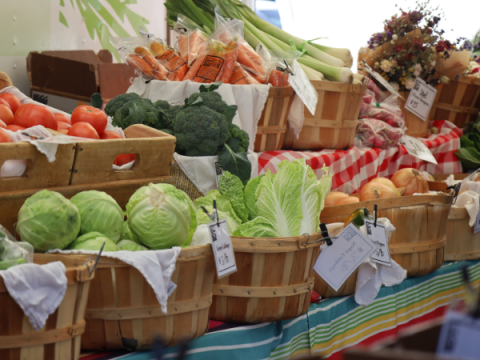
(350, 23)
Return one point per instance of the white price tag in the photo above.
(303, 87)
(338, 261)
(380, 79)
(222, 249)
(459, 336)
(418, 149)
(378, 235)
(476, 227)
(218, 172)
(421, 99)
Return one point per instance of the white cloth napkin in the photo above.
(469, 201)
(249, 99)
(371, 276)
(37, 289)
(202, 171)
(150, 264)
(296, 116)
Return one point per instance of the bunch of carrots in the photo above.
(199, 59)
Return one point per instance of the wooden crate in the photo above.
(153, 149)
(12, 201)
(123, 311)
(274, 280)
(458, 101)
(415, 125)
(273, 122)
(335, 121)
(60, 337)
(418, 242)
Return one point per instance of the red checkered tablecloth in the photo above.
(353, 168)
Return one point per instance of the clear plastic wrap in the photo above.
(379, 95)
(388, 110)
(12, 252)
(376, 133)
(190, 39)
(277, 69)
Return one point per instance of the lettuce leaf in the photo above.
(231, 186)
(251, 197)
(258, 227)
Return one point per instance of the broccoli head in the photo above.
(168, 131)
(145, 113)
(237, 139)
(200, 131)
(162, 105)
(119, 101)
(172, 114)
(212, 100)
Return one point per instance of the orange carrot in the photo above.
(231, 53)
(251, 60)
(192, 72)
(239, 75)
(147, 56)
(195, 42)
(168, 58)
(140, 64)
(183, 46)
(276, 77)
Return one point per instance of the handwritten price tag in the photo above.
(222, 249)
(338, 261)
(378, 236)
(421, 99)
(303, 87)
(418, 149)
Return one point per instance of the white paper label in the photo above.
(378, 235)
(303, 87)
(476, 228)
(222, 249)
(421, 99)
(338, 261)
(459, 336)
(418, 149)
(218, 172)
(380, 79)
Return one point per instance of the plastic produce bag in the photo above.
(376, 133)
(13, 252)
(388, 111)
(379, 95)
(190, 39)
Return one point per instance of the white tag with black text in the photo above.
(222, 249)
(380, 79)
(378, 235)
(218, 172)
(303, 87)
(476, 227)
(339, 260)
(459, 336)
(418, 149)
(421, 99)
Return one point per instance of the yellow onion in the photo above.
(347, 200)
(385, 181)
(333, 196)
(375, 191)
(412, 180)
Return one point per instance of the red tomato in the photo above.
(62, 118)
(123, 159)
(6, 115)
(12, 100)
(5, 137)
(63, 126)
(109, 134)
(63, 131)
(2, 124)
(95, 117)
(29, 115)
(15, 128)
(3, 102)
(83, 129)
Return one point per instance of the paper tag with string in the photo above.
(378, 235)
(222, 248)
(418, 149)
(303, 87)
(379, 78)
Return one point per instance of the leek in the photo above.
(312, 74)
(358, 77)
(340, 74)
(343, 54)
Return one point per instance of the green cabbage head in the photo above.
(127, 233)
(99, 212)
(48, 221)
(129, 245)
(161, 216)
(93, 241)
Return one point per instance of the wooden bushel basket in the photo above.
(417, 244)
(458, 101)
(335, 121)
(415, 125)
(274, 280)
(123, 311)
(273, 122)
(462, 243)
(60, 338)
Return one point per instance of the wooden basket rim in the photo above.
(322, 85)
(274, 245)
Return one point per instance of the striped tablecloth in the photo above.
(330, 325)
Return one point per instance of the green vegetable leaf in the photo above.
(259, 227)
(236, 163)
(229, 113)
(117, 119)
(198, 101)
(251, 197)
(466, 142)
(210, 87)
(231, 187)
(470, 157)
(96, 100)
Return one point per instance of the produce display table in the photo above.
(330, 325)
(353, 168)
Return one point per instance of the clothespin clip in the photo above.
(92, 270)
(158, 349)
(375, 215)
(15, 230)
(325, 235)
(215, 213)
(211, 216)
(33, 137)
